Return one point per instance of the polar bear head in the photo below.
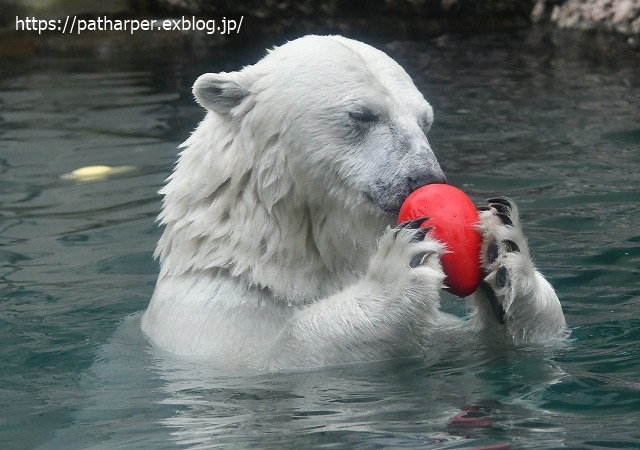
(302, 161)
(349, 118)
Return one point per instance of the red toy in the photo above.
(454, 218)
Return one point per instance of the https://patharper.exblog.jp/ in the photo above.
(77, 25)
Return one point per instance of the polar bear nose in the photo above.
(417, 181)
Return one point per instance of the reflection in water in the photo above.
(557, 131)
(479, 396)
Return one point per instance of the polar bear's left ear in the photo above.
(220, 92)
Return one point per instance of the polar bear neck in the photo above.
(230, 208)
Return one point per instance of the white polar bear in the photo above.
(275, 254)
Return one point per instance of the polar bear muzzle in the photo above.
(390, 196)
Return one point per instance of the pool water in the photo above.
(555, 126)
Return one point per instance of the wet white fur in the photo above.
(274, 254)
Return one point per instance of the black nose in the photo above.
(422, 180)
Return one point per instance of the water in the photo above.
(559, 130)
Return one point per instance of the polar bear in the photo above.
(280, 248)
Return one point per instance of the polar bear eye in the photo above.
(363, 115)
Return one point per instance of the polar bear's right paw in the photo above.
(408, 255)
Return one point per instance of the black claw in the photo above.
(492, 252)
(511, 246)
(505, 209)
(420, 234)
(502, 200)
(502, 277)
(505, 218)
(497, 308)
(420, 258)
(484, 208)
(413, 223)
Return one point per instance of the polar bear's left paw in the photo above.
(501, 234)
(506, 261)
(519, 296)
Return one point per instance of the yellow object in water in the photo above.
(96, 173)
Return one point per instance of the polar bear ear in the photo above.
(220, 92)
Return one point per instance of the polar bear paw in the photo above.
(520, 297)
(408, 256)
(505, 258)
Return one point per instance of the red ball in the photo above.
(454, 218)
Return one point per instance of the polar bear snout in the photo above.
(405, 163)
(417, 162)
(389, 196)
(415, 182)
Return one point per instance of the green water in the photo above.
(558, 130)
